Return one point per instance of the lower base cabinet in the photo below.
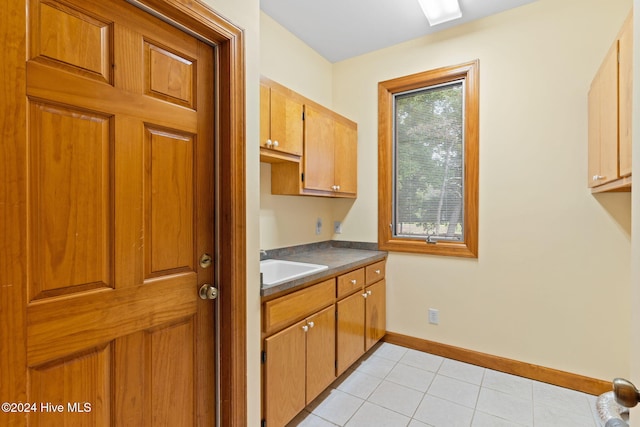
(299, 365)
(303, 359)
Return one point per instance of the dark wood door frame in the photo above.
(199, 19)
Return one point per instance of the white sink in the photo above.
(275, 271)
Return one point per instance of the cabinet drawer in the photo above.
(281, 312)
(348, 283)
(375, 272)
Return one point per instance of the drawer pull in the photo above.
(365, 294)
(377, 271)
(305, 328)
(311, 324)
(354, 281)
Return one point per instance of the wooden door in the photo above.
(120, 209)
(350, 330)
(626, 95)
(286, 123)
(375, 319)
(284, 374)
(346, 158)
(321, 352)
(318, 150)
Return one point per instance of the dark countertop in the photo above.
(341, 257)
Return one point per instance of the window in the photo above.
(428, 162)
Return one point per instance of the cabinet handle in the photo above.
(369, 293)
(311, 324)
(305, 328)
(365, 295)
(269, 143)
(377, 271)
(354, 281)
(337, 188)
(333, 187)
(598, 177)
(275, 143)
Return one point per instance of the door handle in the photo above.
(208, 291)
(625, 392)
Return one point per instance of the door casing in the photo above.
(194, 17)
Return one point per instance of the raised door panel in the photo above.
(59, 29)
(350, 331)
(71, 200)
(170, 75)
(346, 158)
(321, 352)
(284, 375)
(626, 95)
(62, 400)
(376, 320)
(169, 198)
(286, 123)
(318, 150)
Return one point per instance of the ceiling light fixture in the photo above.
(439, 11)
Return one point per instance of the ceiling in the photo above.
(342, 29)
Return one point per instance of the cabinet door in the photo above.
(284, 375)
(603, 132)
(626, 95)
(286, 123)
(375, 313)
(318, 150)
(321, 352)
(346, 158)
(350, 339)
(265, 114)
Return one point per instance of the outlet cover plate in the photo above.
(434, 316)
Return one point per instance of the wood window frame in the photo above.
(386, 91)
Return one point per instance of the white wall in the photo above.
(554, 260)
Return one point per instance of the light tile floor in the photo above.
(392, 386)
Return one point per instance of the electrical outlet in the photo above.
(337, 227)
(434, 316)
(319, 225)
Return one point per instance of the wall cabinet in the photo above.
(313, 335)
(330, 154)
(325, 164)
(610, 99)
(281, 130)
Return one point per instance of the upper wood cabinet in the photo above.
(281, 129)
(330, 154)
(328, 163)
(609, 167)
